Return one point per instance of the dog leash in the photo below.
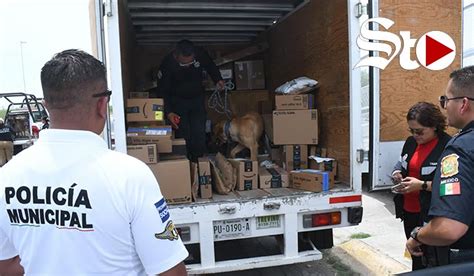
(220, 103)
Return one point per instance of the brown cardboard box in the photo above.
(145, 110)
(139, 95)
(247, 173)
(174, 178)
(292, 102)
(203, 180)
(249, 75)
(318, 151)
(295, 157)
(273, 178)
(292, 127)
(323, 164)
(312, 180)
(163, 142)
(145, 153)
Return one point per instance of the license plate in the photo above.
(268, 222)
(234, 228)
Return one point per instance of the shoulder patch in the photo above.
(449, 165)
(163, 210)
(197, 64)
(447, 189)
(160, 74)
(170, 233)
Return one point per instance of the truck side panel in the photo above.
(313, 42)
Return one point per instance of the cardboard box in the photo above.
(203, 179)
(145, 110)
(247, 173)
(145, 153)
(163, 142)
(323, 164)
(295, 157)
(318, 151)
(312, 180)
(293, 127)
(292, 102)
(249, 75)
(174, 178)
(139, 95)
(273, 178)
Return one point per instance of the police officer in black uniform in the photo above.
(449, 236)
(7, 135)
(180, 79)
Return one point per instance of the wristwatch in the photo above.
(414, 233)
(424, 186)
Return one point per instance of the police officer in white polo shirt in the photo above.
(83, 209)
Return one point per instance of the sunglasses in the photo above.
(416, 131)
(106, 93)
(443, 100)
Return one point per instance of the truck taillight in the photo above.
(323, 219)
(35, 130)
(184, 233)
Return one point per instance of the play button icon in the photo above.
(435, 50)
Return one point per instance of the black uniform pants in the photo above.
(410, 221)
(192, 126)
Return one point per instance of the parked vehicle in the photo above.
(24, 115)
(316, 39)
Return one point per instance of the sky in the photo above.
(42, 28)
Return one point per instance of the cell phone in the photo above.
(397, 188)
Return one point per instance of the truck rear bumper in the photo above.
(257, 262)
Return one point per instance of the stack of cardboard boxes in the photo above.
(293, 126)
(151, 141)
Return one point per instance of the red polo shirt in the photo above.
(411, 201)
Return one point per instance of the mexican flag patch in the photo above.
(450, 189)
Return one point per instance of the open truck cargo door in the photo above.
(104, 22)
(394, 89)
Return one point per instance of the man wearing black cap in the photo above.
(180, 79)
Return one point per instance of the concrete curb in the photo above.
(367, 260)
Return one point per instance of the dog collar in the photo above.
(227, 129)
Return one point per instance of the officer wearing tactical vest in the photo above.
(6, 142)
(180, 79)
(449, 236)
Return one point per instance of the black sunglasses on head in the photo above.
(106, 93)
(443, 100)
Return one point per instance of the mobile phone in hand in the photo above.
(397, 188)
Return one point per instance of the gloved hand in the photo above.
(174, 120)
(220, 85)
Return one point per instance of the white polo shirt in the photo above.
(69, 205)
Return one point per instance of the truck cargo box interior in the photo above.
(294, 38)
